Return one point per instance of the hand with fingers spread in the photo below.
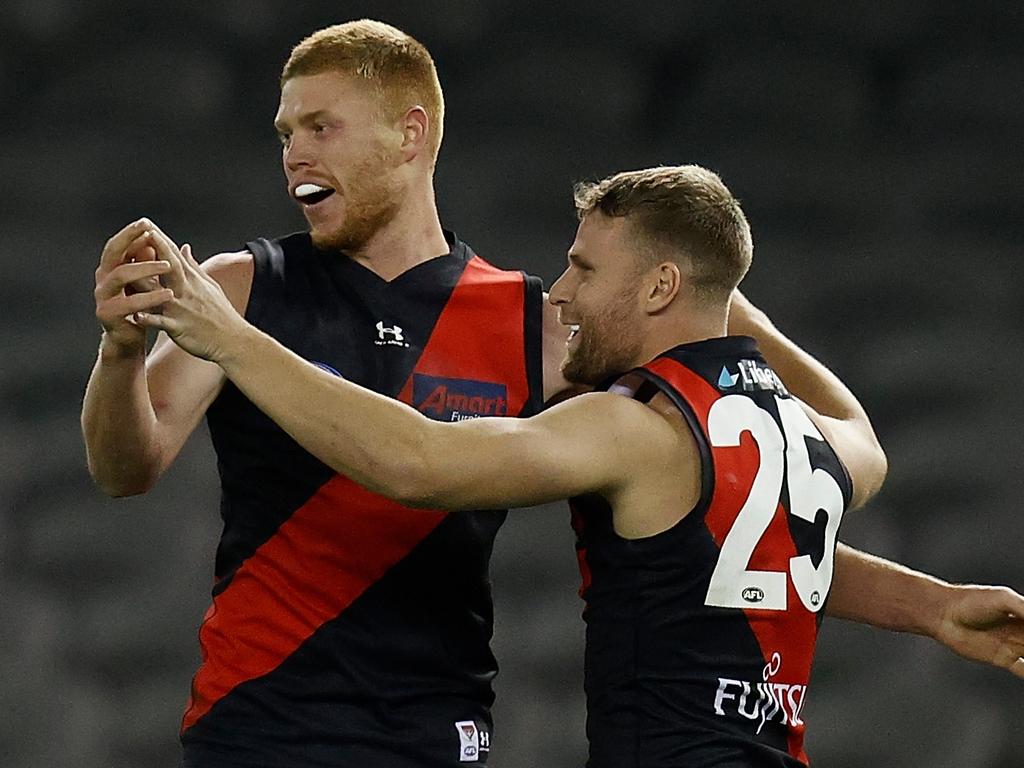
(127, 282)
(985, 624)
(197, 315)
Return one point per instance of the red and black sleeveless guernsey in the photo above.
(348, 630)
(700, 638)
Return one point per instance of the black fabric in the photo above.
(534, 337)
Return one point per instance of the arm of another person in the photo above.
(138, 410)
(594, 443)
(983, 623)
(978, 622)
(834, 409)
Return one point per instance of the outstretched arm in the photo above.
(597, 442)
(835, 409)
(981, 623)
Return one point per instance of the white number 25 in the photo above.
(732, 584)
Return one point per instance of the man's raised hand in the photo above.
(198, 315)
(128, 282)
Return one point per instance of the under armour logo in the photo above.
(383, 331)
(390, 336)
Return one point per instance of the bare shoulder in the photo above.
(235, 263)
(687, 450)
(619, 410)
(233, 271)
(659, 414)
(626, 424)
(667, 483)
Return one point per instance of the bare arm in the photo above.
(835, 410)
(887, 595)
(598, 442)
(583, 445)
(978, 622)
(118, 423)
(138, 412)
(982, 623)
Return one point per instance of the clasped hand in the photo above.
(168, 291)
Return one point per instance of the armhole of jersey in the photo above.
(651, 386)
(261, 264)
(533, 326)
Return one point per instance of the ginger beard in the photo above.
(604, 345)
(371, 201)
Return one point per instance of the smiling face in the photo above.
(599, 296)
(341, 157)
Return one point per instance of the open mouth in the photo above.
(573, 330)
(311, 194)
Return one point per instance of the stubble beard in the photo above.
(372, 202)
(607, 347)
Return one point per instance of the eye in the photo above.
(284, 138)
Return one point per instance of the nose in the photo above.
(297, 154)
(559, 293)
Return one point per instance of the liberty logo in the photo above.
(757, 377)
(726, 379)
(390, 336)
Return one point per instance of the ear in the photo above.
(664, 283)
(415, 131)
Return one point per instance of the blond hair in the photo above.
(396, 65)
(678, 211)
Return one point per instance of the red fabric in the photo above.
(325, 556)
(483, 346)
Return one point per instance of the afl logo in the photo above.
(753, 594)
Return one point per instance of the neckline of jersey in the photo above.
(738, 345)
(458, 253)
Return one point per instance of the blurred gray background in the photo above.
(876, 148)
